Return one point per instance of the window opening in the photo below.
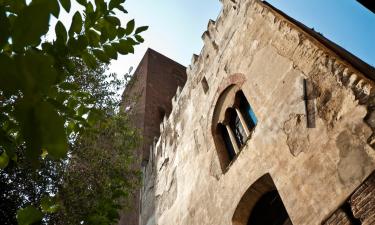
(246, 110)
(237, 128)
(235, 121)
(228, 144)
(204, 84)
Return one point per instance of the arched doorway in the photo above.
(261, 204)
(269, 210)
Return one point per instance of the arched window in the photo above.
(235, 121)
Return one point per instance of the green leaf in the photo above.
(111, 31)
(49, 205)
(115, 4)
(30, 130)
(51, 130)
(10, 79)
(82, 110)
(99, 54)
(122, 9)
(94, 38)
(37, 72)
(89, 59)
(65, 4)
(73, 46)
(121, 32)
(55, 8)
(82, 42)
(4, 160)
(29, 215)
(131, 41)
(124, 47)
(61, 34)
(76, 25)
(42, 128)
(82, 2)
(16, 6)
(94, 116)
(130, 27)
(101, 6)
(52, 5)
(30, 25)
(139, 38)
(110, 51)
(89, 8)
(141, 29)
(113, 20)
(103, 35)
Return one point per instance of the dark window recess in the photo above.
(228, 143)
(269, 210)
(246, 110)
(204, 84)
(237, 128)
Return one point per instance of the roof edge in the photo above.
(366, 69)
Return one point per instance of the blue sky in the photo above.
(176, 26)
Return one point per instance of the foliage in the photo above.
(22, 186)
(104, 157)
(44, 99)
(39, 97)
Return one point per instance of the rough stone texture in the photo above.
(314, 169)
(148, 99)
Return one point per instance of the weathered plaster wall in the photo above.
(314, 169)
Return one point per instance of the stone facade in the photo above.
(313, 142)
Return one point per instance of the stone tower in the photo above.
(147, 98)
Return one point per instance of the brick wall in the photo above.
(359, 209)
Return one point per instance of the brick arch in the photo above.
(234, 79)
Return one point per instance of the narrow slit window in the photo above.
(204, 84)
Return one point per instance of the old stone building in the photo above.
(275, 125)
(147, 99)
